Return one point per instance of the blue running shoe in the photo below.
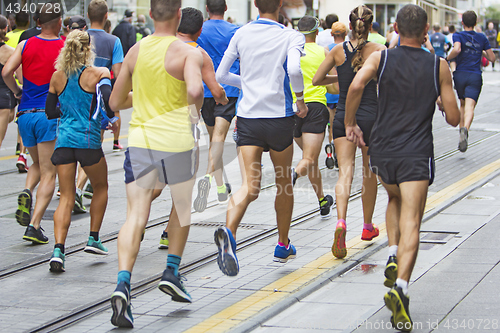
(282, 254)
(120, 302)
(172, 285)
(56, 262)
(228, 263)
(95, 247)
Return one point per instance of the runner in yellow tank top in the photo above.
(310, 131)
(188, 31)
(165, 75)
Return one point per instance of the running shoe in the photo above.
(399, 304)
(227, 261)
(330, 163)
(391, 272)
(282, 254)
(368, 235)
(117, 147)
(224, 196)
(22, 164)
(18, 149)
(58, 193)
(324, 206)
(79, 208)
(23, 212)
(56, 262)
(35, 235)
(339, 249)
(163, 241)
(463, 141)
(95, 247)
(120, 302)
(294, 176)
(89, 191)
(172, 285)
(200, 203)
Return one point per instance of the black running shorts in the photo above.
(339, 127)
(173, 168)
(397, 170)
(7, 99)
(211, 109)
(86, 157)
(268, 133)
(315, 122)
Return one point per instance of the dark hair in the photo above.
(97, 10)
(164, 10)
(22, 19)
(191, 21)
(66, 21)
(267, 6)
(307, 23)
(282, 20)
(3, 24)
(331, 19)
(411, 20)
(107, 26)
(361, 19)
(217, 7)
(469, 19)
(436, 27)
(48, 14)
(451, 28)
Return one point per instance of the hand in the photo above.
(355, 135)
(440, 104)
(301, 109)
(223, 100)
(19, 95)
(113, 127)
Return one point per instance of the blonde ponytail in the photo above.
(76, 53)
(361, 19)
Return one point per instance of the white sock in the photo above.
(403, 285)
(393, 250)
(79, 192)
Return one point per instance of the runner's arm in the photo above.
(208, 74)
(367, 73)
(52, 110)
(121, 96)
(10, 67)
(297, 80)
(334, 87)
(448, 100)
(457, 48)
(490, 55)
(193, 79)
(322, 77)
(223, 75)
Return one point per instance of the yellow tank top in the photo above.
(315, 55)
(160, 119)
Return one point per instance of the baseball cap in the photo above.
(376, 26)
(339, 28)
(128, 13)
(77, 22)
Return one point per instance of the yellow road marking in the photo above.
(242, 310)
(11, 157)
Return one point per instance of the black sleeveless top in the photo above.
(368, 106)
(408, 83)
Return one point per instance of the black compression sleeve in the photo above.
(106, 92)
(51, 108)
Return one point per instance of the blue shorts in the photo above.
(468, 84)
(36, 128)
(173, 168)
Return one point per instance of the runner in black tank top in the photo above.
(7, 100)
(347, 58)
(401, 151)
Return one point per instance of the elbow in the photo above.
(220, 77)
(5, 73)
(315, 81)
(113, 103)
(196, 92)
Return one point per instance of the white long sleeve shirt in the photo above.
(269, 62)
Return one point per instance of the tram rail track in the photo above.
(150, 283)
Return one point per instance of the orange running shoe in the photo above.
(338, 248)
(368, 235)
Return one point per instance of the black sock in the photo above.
(165, 234)
(95, 234)
(115, 142)
(60, 247)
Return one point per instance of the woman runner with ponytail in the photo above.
(348, 58)
(82, 91)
